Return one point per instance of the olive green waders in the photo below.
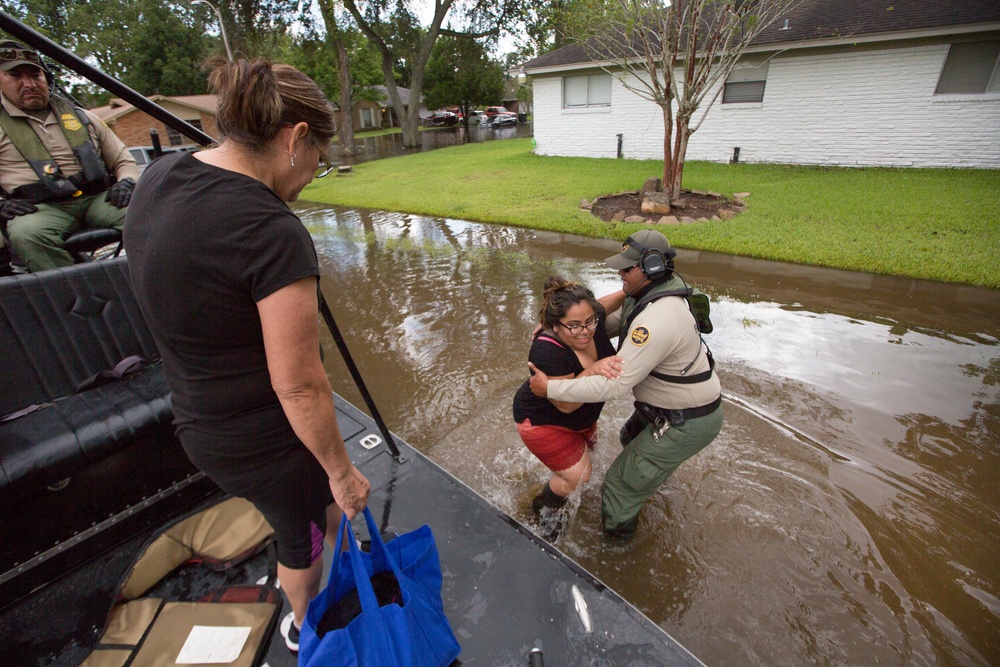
(38, 237)
(646, 463)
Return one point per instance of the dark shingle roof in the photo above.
(817, 19)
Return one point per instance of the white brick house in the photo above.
(916, 83)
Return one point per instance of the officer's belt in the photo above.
(650, 414)
(37, 193)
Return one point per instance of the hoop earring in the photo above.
(291, 158)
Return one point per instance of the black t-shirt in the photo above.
(204, 245)
(554, 358)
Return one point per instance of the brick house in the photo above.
(377, 114)
(907, 83)
(132, 125)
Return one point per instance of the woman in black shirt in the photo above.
(572, 343)
(225, 274)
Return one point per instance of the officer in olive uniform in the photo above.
(61, 168)
(665, 364)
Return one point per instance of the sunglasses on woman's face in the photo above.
(20, 54)
(327, 169)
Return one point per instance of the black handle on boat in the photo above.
(68, 59)
(331, 324)
(154, 140)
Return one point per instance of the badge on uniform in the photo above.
(640, 336)
(70, 122)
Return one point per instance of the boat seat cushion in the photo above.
(59, 328)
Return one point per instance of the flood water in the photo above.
(848, 512)
(391, 145)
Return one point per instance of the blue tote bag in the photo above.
(415, 633)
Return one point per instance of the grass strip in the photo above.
(938, 224)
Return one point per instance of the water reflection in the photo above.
(391, 145)
(848, 513)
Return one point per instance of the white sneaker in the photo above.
(290, 632)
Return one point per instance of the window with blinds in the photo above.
(745, 85)
(587, 90)
(971, 68)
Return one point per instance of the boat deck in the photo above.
(505, 590)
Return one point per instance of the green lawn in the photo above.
(940, 224)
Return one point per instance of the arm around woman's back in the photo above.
(288, 320)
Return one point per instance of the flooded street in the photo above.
(848, 512)
(391, 145)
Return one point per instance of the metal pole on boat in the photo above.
(68, 59)
(331, 324)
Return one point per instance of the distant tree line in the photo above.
(348, 46)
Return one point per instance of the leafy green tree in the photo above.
(256, 28)
(476, 18)
(460, 73)
(149, 45)
(403, 36)
(165, 52)
(357, 69)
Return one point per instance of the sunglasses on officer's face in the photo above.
(20, 54)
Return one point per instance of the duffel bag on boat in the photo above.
(409, 630)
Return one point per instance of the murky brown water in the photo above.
(391, 145)
(847, 514)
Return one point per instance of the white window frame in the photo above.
(596, 84)
(362, 112)
(741, 84)
(992, 86)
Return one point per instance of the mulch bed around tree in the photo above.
(697, 206)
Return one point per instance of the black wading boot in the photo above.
(552, 518)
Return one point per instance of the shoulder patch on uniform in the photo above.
(640, 336)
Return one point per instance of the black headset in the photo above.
(654, 264)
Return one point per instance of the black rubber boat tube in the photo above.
(331, 324)
(68, 59)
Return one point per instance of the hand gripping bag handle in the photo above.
(366, 594)
(414, 633)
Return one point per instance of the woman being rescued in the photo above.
(570, 341)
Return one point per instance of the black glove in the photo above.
(120, 193)
(11, 208)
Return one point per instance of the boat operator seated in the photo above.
(61, 168)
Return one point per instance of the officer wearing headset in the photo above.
(666, 365)
(61, 168)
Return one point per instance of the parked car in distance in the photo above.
(494, 111)
(143, 155)
(477, 117)
(440, 118)
(501, 120)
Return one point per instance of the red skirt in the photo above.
(558, 447)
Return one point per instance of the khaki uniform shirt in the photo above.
(662, 338)
(15, 170)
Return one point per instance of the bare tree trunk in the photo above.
(668, 122)
(345, 133)
(680, 149)
(406, 115)
(409, 116)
